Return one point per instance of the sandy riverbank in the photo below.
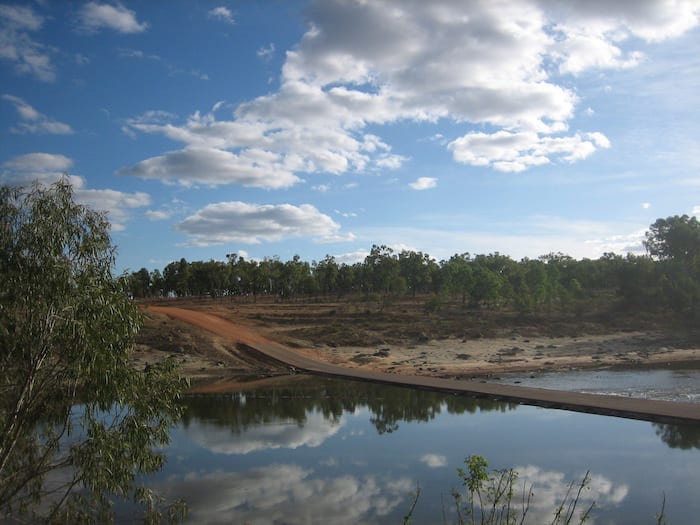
(487, 357)
(269, 351)
(202, 354)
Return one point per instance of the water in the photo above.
(331, 451)
(664, 384)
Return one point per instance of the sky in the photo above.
(314, 128)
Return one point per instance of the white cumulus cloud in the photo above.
(424, 183)
(514, 152)
(227, 222)
(116, 203)
(157, 215)
(34, 122)
(503, 67)
(211, 166)
(21, 17)
(95, 16)
(351, 258)
(47, 168)
(18, 47)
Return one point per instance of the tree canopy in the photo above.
(667, 278)
(676, 237)
(77, 422)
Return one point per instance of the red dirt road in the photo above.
(664, 411)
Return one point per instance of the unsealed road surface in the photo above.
(650, 410)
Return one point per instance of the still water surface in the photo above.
(331, 451)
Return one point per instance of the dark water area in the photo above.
(333, 451)
(663, 384)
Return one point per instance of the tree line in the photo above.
(667, 276)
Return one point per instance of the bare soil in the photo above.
(201, 355)
(404, 338)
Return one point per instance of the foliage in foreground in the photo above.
(77, 423)
(492, 498)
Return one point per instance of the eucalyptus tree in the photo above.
(239, 274)
(676, 237)
(491, 279)
(326, 273)
(522, 295)
(537, 279)
(208, 278)
(140, 283)
(78, 424)
(157, 284)
(417, 269)
(347, 281)
(675, 243)
(459, 276)
(177, 277)
(295, 276)
(487, 287)
(383, 273)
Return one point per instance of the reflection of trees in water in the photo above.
(391, 405)
(679, 436)
(388, 405)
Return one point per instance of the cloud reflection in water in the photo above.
(550, 487)
(286, 494)
(280, 433)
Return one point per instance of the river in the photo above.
(664, 384)
(313, 450)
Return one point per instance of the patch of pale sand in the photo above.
(479, 357)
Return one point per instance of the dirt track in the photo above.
(607, 405)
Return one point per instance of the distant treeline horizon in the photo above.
(667, 276)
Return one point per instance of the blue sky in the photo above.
(323, 127)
